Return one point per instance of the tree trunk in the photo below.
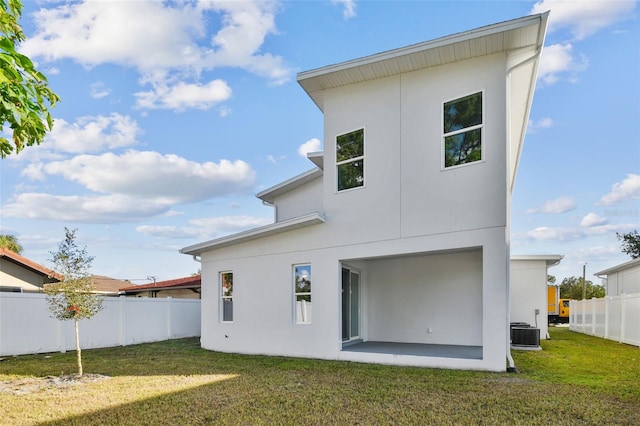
(78, 352)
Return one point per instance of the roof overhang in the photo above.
(254, 234)
(269, 194)
(516, 34)
(549, 259)
(620, 267)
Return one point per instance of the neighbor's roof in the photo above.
(28, 264)
(515, 34)
(620, 267)
(194, 281)
(104, 284)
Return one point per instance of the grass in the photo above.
(576, 379)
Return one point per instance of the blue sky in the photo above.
(175, 114)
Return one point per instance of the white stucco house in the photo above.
(621, 279)
(394, 248)
(528, 289)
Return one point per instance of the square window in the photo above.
(302, 293)
(350, 160)
(462, 130)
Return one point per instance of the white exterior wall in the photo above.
(300, 201)
(625, 281)
(408, 206)
(426, 299)
(13, 275)
(528, 292)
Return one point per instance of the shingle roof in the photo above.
(29, 264)
(186, 282)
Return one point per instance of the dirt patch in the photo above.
(37, 384)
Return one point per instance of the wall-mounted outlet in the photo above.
(537, 311)
(429, 330)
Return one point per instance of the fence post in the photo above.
(622, 316)
(169, 303)
(606, 317)
(123, 319)
(593, 316)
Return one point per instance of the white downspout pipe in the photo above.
(512, 366)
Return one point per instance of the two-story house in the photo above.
(395, 248)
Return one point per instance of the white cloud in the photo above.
(312, 145)
(593, 219)
(87, 134)
(183, 95)
(349, 7)
(628, 189)
(83, 209)
(99, 90)
(178, 43)
(584, 18)
(557, 205)
(543, 123)
(130, 186)
(546, 233)
(206, 227)
(558, 59)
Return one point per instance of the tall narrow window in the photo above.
(462, 128)
(350, 160)
(226, 296)
(302, 293)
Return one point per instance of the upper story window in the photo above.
(226, 296)
(462, 130)
(350, 160)
(302, 293)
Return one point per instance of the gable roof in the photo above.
(620, 267)
(29, 264)
(194, 281)
(269, 194)
(103, 284)
(505, 36)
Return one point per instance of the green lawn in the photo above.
(576, 379)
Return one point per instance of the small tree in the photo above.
(630, 243)
(74, 297)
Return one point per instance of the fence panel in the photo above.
(27, 326)
(613, 317)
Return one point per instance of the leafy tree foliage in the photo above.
(10, 242)
(571, 288)
(630, 243)
(551, 280)
(25, 97)
(74, 297)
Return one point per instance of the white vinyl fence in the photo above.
(27, 326)
(613, 317)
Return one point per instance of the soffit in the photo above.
(506, 36)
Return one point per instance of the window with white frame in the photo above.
(302, 293)
(462, 130)
(226, 296)
(350, 160)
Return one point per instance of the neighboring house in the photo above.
(395, 248)
(108, 286)
(623, 278)
(528, 289)
(19, 274)
(180, 288)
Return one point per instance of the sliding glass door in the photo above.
(350, 304)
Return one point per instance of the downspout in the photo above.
(512, 366)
